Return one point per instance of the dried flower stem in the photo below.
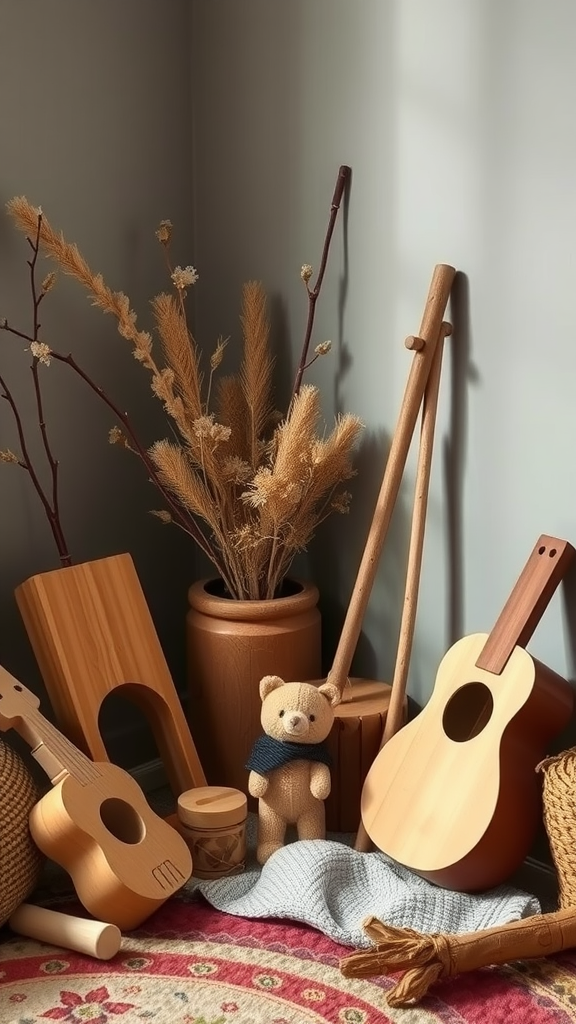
(52, 508)
(26, 463)
(186, 523)
(313, 293)
(36, 300)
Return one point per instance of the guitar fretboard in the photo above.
(527, 603)
(39, 732)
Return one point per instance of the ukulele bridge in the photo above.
(167, 875)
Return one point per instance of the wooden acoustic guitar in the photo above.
(95, 822)
(454, 795)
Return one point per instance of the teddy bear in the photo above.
(289, 765)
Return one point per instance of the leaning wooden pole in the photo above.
(416, 545)
(395, 714)
(423, 346)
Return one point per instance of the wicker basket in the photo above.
(559, 811)
(20, 859)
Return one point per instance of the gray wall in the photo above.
(457, 120)
(95, 114)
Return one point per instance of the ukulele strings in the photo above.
(72, 760)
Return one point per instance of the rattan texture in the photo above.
(20, 859)
(559, 812)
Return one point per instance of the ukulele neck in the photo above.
(53, 752)
(529, 599)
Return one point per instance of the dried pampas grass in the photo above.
(259, 487)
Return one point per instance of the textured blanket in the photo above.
(333, 888)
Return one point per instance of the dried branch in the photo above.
(129, 440)
(52, 508)
(306, 273)
(25, 462)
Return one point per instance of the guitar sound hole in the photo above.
(122, 821)
(468, 712)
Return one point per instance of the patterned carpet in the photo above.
(192, 964)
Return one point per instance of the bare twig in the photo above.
(36, 300)
(178, 515)
(26, 463)
(51, 508)
(313, 293)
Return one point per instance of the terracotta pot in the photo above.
(231, 644)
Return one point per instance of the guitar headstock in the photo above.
(15, 700)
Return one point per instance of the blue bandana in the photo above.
(269, 753)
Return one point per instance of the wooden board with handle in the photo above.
(454, 795)
(93, 635)
(95, 822)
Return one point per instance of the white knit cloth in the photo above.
(334, 888)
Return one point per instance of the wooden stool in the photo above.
(91, 631)
(354, 743)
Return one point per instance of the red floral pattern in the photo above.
(191, 964)
(95, 1007)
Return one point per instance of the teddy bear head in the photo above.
(297, 712)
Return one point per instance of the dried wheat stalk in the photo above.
(260, 487)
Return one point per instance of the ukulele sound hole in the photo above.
(468, 712)
(122, 821)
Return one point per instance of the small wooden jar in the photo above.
(212, 820)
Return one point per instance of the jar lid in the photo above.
(212, 807)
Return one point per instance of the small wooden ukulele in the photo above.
(454, 795)
(95, 822)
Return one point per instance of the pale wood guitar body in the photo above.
(124, 860)
(454, 795)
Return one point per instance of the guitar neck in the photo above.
(527, 603)
(53, 752)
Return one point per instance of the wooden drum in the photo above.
(354, 743)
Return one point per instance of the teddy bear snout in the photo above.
(296, 723)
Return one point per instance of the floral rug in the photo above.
(192, 964)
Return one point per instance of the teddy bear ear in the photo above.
(331, 692)
(269, 683)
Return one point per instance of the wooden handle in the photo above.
(436, 302)
(95, 938)
(395, 712)
(527, 603)
(416, 546)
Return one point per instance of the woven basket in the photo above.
(559, 811)
(20, 859)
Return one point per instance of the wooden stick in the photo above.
(416, 546)
(424, 347)
(396, 706)
(95, 938)
(425, 958)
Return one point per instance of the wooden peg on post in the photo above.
(414, 344)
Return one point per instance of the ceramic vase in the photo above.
(231, 645)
